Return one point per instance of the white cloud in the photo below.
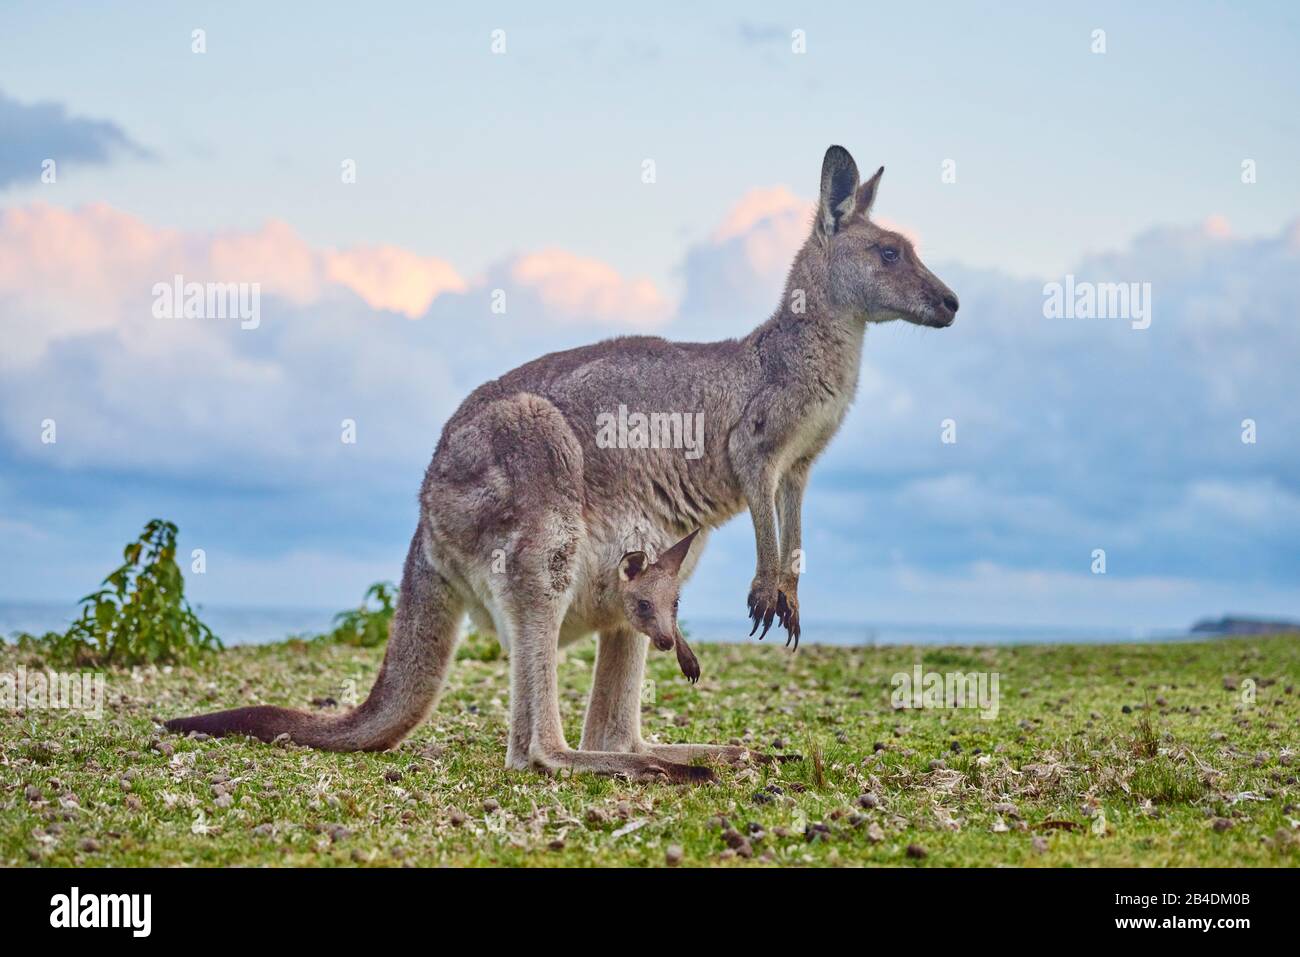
(577, 289)
(129, 390)
(1072, 435)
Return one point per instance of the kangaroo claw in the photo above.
(787, 610)
(761, 612)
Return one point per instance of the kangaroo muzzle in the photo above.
(663, 642)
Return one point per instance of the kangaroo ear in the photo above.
(671, 560)
(839, 189)
(867, 193)
(631, 565)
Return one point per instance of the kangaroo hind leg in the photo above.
(613, 720)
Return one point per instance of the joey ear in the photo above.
(867, 193)
(671, 560)
(631, 565)
(839, 189)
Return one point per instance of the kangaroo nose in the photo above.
(951, 302)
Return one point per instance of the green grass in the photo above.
(1192, 774)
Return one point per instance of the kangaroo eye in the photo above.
(889, 254)
(643, 608)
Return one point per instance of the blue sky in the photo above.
(523, 171)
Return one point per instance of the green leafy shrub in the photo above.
(366, 626)
(138, 616)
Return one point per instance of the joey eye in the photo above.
(643, 608)
(889, 254)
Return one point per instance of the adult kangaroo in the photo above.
(525, 514)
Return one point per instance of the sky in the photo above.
(379, 172)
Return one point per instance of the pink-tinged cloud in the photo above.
(1216, 226)
(764, 203)
(579, 289)
(392, 278)
(76, 271)
(109, 257)
(734, 277)
(275, 256)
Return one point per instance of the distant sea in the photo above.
(242, 626)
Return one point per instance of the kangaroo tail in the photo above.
(421, 640)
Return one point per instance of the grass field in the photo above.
(1133, 755)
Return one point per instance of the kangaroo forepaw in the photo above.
(762, 607)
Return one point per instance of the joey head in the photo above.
(649, 591)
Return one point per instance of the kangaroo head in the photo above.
(872, 272)
(650, 592)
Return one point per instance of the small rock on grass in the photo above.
(868, 800)
(557, 844)
(490, 805)
(1040, 845)
(817, 831)
(916, 851)
(1222, 823)
(738, 842)
(457, 817)
(673, 855)
(875, 833)
(89, 845)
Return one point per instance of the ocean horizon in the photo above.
(239, 625)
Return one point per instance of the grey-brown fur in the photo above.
(524, 517)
